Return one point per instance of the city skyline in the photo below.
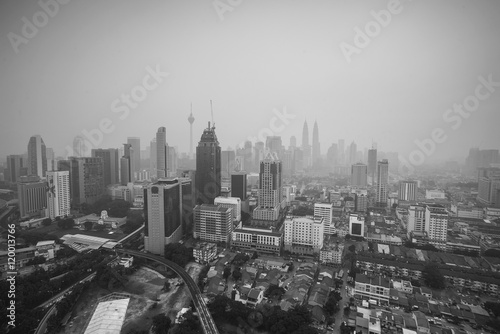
(62, 75)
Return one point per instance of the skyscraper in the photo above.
(228, 161)
(273, 144)
(161, 152)
(208, 167)
(135, 142)
(407, 191)
(127, 165)
(32, 193)
(86, 178)
(293, 142)
(152, 158)
(111, 164)
(58, 198)
(341, 150)
(306, 148)
(359, 175)
(14, 165)
(37, 156)
(382, 182)
(166, 206)
(353, 151)
(316, 152)
(372, 164)
(270, 197)
(239, 185)
(80, 147)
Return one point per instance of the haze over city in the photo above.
(237, 166)
(260, 56)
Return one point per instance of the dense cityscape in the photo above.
(249, 167)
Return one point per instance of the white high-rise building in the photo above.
(436, 218)
(325, 211)
(213, 223)
(232, 203)
(58, 197)
(303, 235)
(416, 219)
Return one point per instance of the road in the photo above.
(61, 294)
(339, 317)
(207, 322)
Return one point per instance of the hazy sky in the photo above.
(262, 55)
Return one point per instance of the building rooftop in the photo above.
(108, 317)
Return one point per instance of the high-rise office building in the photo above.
(58, 196)
(316, 149)
(51, 159)
(382, 182)
(436, 223)
(86, 178)
(332, 157)
(14, 165)
(213, 223)
(233, 203)
(135, 143)
(32, 193)
(341, 148)
(111, 164)
(239, 185)
(270, 199)
(489, 191)
(353, 151)
(127, 165)
(172, 161)
(372, 164)
(161, 152)
(407, 191)
(306, 148)
(273, 144)
(325, 211)
(37, 156)
(81, 147)
(293, 142)
(208, 167)
(228, 163)
(359, 173)
(152, 157)
(167, 205)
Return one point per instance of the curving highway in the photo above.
(207, 322)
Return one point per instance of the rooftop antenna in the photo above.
(212, 111)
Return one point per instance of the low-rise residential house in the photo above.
(255, 297)
(372, 288)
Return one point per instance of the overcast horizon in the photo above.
(253, 61)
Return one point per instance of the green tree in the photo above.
(161, 324)
(236, 274)
(433, 277)
(88, 225)
(46, 222)
(226, 273)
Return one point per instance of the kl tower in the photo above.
(191, 121)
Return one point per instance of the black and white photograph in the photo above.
(249, 167)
